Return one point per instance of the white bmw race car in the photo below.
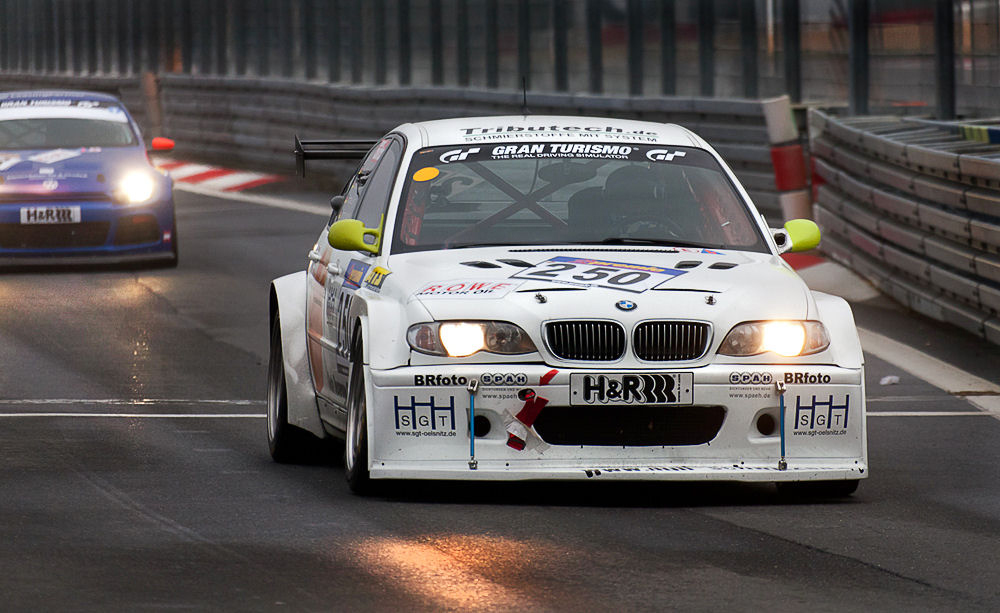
(513, 298)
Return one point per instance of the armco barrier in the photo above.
(915, 207)
(252, 120)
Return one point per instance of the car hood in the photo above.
(724, 287)
(43, 172)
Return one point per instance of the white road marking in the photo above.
(125, 401)
(188, 170)
(231, 180)
(878, 399)
(143, 415)
(277, 203)
(928, 414)
(977, 391)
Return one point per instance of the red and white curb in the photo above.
(215, 178)
(829, 277)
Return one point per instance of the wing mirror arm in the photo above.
(349, 235)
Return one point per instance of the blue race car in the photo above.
(76, 183)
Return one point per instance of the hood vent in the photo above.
(481, 264)
(723, 266)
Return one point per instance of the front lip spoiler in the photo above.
(8, 262)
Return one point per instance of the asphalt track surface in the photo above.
(135, 475)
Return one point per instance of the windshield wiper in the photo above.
(629, 240)
(473, 245)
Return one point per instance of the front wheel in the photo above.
(356, 447)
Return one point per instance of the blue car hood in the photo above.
(50, 172)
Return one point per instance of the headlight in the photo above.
(459, 339)
(786, 338)
(135, 188)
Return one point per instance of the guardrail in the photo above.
(252, 121)
(913, 206)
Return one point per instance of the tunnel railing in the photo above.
(913, 206)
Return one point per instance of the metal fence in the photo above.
(914, 206)
(868, 54)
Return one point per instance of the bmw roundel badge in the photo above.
(626, 305)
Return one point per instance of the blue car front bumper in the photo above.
(100, 232)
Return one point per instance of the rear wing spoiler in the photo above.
(329, 150)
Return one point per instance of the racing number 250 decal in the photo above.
(589, 272)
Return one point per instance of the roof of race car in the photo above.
(61, 104)
(528, 128)
(56, 94)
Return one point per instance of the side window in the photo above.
(378, 187)
(356, 187)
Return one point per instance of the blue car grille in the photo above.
(53, 236)
(57, 197)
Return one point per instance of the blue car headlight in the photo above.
(136, 187)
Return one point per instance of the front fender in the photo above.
(288, 304)
(836, 315)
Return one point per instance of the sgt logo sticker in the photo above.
(816, 416)
(376, 277)
(432, 417)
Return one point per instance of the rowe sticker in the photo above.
(466, 288)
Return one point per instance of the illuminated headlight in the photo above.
(786, 338)
(136, 187)
(459, 339)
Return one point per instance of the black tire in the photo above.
(818, 489)
(356, 443)
(286, 442)
(174, 246)
(176, 251)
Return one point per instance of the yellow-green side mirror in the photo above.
(349, 235)
(803, 234)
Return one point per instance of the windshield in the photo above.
(570, 193)
(55, 132)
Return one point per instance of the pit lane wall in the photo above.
(251, 121)
(914, 206)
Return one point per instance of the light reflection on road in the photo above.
(465, 572)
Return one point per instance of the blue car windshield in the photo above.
(55, 132)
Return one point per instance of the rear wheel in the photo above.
(356, 447)
(819, 489)
(286, 442)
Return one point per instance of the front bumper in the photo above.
(105, 234)
(526, 427)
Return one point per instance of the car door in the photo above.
(323, 266)
(370, 190)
